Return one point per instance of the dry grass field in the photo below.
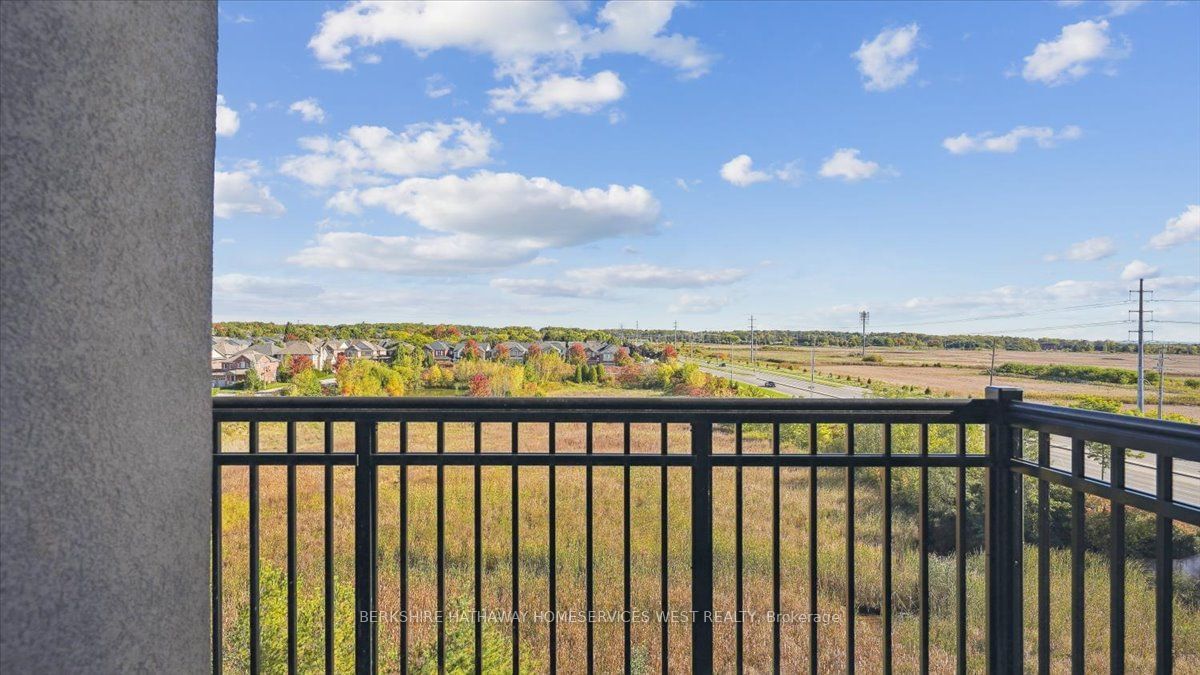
(958, 372)
(533, 557)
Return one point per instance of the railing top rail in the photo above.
(418, 409)
(1137, 433)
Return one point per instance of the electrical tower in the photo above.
(1161, 355)
(863, 316)
(1141, 344)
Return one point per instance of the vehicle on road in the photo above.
(769, 383)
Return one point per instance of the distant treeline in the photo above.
(1064, 373)
(806, 338)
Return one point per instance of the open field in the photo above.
(959, 373)
(645, 486)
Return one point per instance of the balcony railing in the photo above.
(997, 443)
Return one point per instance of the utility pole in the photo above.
(676, 337)
(751, 339)
(1141, 345)
(992, 369)
(863, 316)
(812, 364)
(1161, 352)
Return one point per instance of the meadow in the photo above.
(963, 373)
(645, 536)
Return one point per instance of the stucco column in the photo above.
(106, 142)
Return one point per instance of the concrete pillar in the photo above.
(106, 146)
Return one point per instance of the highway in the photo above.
(1139, 472)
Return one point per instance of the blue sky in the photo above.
(601, 164)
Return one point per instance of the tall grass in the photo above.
(570, 564)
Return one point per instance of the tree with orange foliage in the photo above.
(577, 354)
(670, 353)
(301, 363)
(500, 353)
(340, 363)
(622, 358)
(535, 350)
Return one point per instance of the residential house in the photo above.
(516, 350)
(440, 351)
(233, 369)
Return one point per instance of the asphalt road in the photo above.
(1139, 472)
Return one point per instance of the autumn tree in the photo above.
(300, 364)
(670, 353)
(471, 351)
(622, 358)
(500, 353)
(340, 363)
(480, 385)
(535, 350)
(577, 354)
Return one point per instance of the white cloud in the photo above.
(236, 192)
(688, 303)
(845, 164)
(1179, 230)
(227, 118)
(1139, 270)
(540, 45)
(420, 256)
(654, 276)
(1095, 248)
(555, 94)
(436, 86)
(1122, 7)
(886, 62)
(739, 172)
(364, 154)
(1045, 137)
(1071, 55)
(234, 285)
(548, 288)
(309, 109)
(507, 206)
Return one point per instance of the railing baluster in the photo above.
(516, 556)
(923, 548)
(553, 546)
(477, 516)
(886, 609)
(328, 533)
(1164, 583)
(850, 603)
(702, 567)
(291, 551)
(776, 597)
(627, 554)
(739, 599)
(663, 589)
(364, 548)
(591, 633)
(404, 547)
(1077, 562)
(255, 626)
(1116, 569)
(217, 613)
(812, 552)
(960, 550)
(441, 549)
(1043, 524)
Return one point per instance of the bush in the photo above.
(872, 358)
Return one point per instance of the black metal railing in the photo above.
(864, 433)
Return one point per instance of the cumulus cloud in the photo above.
(1139, 270)
(309, 109)
(845, 165)
(1044, 137)
(555, 94)
(227, 118)
(1095, 248)
(418, 256)
(1072, 54)
(689, 303)
(887, 61)
(236, 192)
(1181, 229)
(654, 276)
(739, 172)
(366, 154)
(541, 46)
(509, 206)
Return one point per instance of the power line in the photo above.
(1012, 315)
